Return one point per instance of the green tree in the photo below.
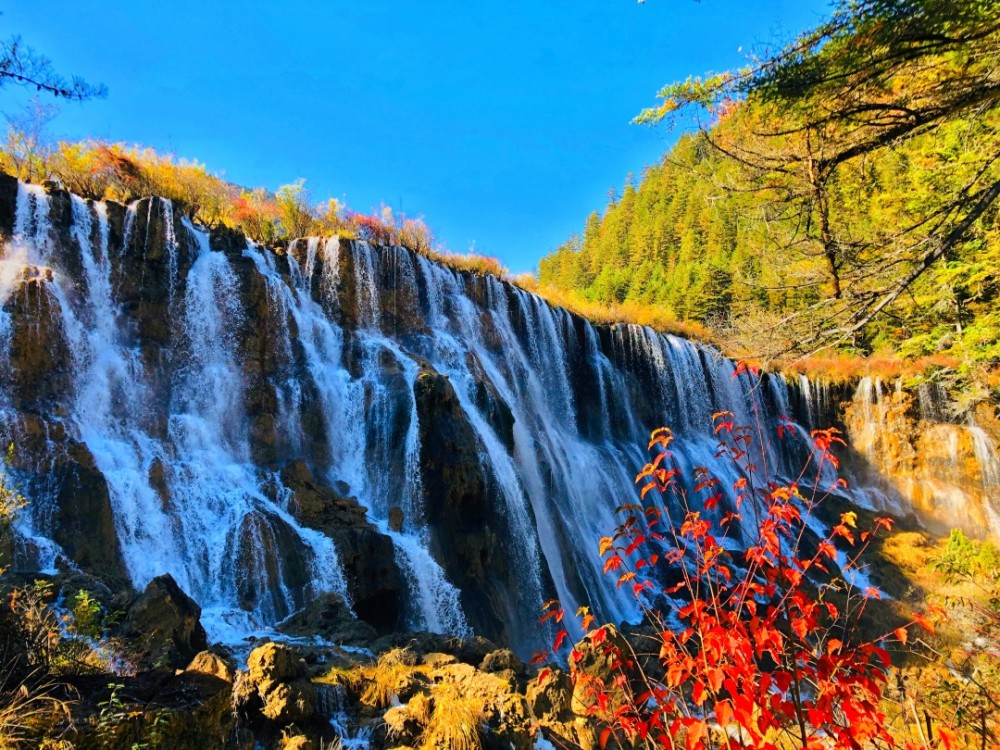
(878, 75)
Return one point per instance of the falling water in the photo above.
(557, 410)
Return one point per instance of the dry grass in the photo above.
(26, 714)
(455, 722)
(479, 265)
(377, 685)
(657, 317)
(844, 368)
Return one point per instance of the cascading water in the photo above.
(209, 523)
(342, 360)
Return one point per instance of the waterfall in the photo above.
(209, 522)
(199, 373)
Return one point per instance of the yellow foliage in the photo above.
(657, 317)
(455, 722)
(843, 368)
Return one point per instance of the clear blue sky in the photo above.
(502, 123)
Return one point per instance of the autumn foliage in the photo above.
(114, 171)
(751, 616)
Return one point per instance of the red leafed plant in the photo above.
(754, 620)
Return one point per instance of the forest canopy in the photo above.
(841, 194)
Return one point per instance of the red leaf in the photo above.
(560, 637)
(724, 713)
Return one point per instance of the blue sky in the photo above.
(503, 124)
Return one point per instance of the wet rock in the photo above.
(366, 556)
(396, 518)
(329, 617)
(85, 523)
(41, 363)
(8, 204)
(456, 500)
(929, 466)
(164, 625)
(269, 556)
(275, 687)
(491, 403)
(212, 664)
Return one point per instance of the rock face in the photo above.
(373, 578)
(466, 530)
(276, 687)
(165, 625)
(355, 439)
(905, 446)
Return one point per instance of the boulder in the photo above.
(276, 687)
(502, 660)
(164, 625)
(328, 616)
(435, 660)
(549, 698)
(212, 664)
(289, 703)
(401, 727)
(602, 660)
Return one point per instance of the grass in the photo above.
(455, 722)
(26, 713)
(845, 368)
(656, 317)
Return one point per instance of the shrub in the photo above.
(753, 620)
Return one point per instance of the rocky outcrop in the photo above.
(945, 473)
(366, 555)
(467, 532)
(275, 688)
(164, 625)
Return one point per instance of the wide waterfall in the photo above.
(199, 393)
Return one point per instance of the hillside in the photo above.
(800, 221)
